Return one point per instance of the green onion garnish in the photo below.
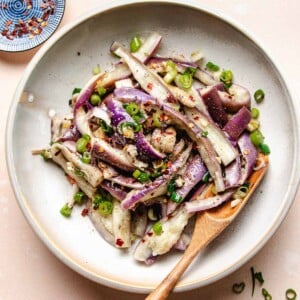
(264, 148)
(101, 91)
(185, 80)
(227, 78)
(176, 197)
(81, 145)
(141, 176)
(171, 71)
(76, 91)
(253, 280)
(95, 99)
(105, 208)
(45, 155)
(212, 67)
(254, 112)
(132, 108)
(256, 137)
(96, 200)
(266, 294)
(157, 228)
(171, 186)
(205, 177)
(66, 211)
(259, 277)
(204, 133)
(259, 96)
(86, 157)
(135, 127)
(156, 119)
(238, 288)
(106, 128)
(136, 174)
(135, 44)
(290, 294)
(96, 70)
(78, 197)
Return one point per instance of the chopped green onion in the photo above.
(135, 127)
(290, 294)
(96, 200)
(95, 99)
(135, 44)
(185, 80)
(157, 228)
(137, 118)
(227, 78)
(86, 137)
(238, 288)
(46, 155)
(86, 157)
(256, 137)
(253, 280)
(205, 177)
(78, 172)
(190, 70)
(253, 125)
(254, 112)
(171, 72)
(204, 133)
(264, 148)
(106, 128)
(259, 277)
(96, 70)
(78, 197)
(259, 96)
(66, 211)
(136, 174)
(105, 208)
(266, 294)
(76, 91)
(241, 192)
(101, 91)
(156, 119)
(171, 186)
(212, 67)
(81, 145)
(132, 108)
(176, 197)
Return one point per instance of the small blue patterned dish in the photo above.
(25, 24)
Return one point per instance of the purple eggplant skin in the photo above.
(214, 105)
(238, 123)
(249, 155)
(236, 98)
(127, 95)
(71, 135)
(113, 189)
(145, 149)
(192, 176)
(159, 185)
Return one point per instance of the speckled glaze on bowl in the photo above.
(65, 62)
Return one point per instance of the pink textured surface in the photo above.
(29, 271)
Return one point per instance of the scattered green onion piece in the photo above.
(205, 177)
(171, 186)
(185, 80)
(259, 277)
(78, 172)
(135, 127)
(132, 108)
(238, 288)
(241, 192)
(78, 197)
(76, 91)
(227, 78)
(81, 145)
(212, 67)
(106, 128)
(247, 184)
(143, 177)
(137, 118)
(176, 197)
(86, 157)
(45, 155)
(96, 70)
(66, 211)
(155, 174)
(253, 124)
(259, 96)
(105, 208)
(136, 174)
(253, 280)
(101, 91)
(190, 70)
(96, 200)
(290, 294)
(266, 294)
(86, 137)
(254, 112)
(256, 137)
(171, 72)
(204, 134)
(157, 228)
(135, 44)
(264, 148)
(95, 99)
(156, 119)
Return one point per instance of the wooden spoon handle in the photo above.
(162, 291)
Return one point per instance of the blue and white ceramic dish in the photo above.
(25, 24)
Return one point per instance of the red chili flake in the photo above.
(70, 179)
(4, 32)
(119, 242)
(191, 98)
(84, 212)
(150, 86)
(150, 233)
(169, 164)
(196, 118)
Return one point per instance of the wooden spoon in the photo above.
(209, 224)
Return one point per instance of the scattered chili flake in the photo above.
(70, 179)
(84, 212)
(119, 242)
(150, 86)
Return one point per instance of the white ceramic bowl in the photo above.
(41, 188)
